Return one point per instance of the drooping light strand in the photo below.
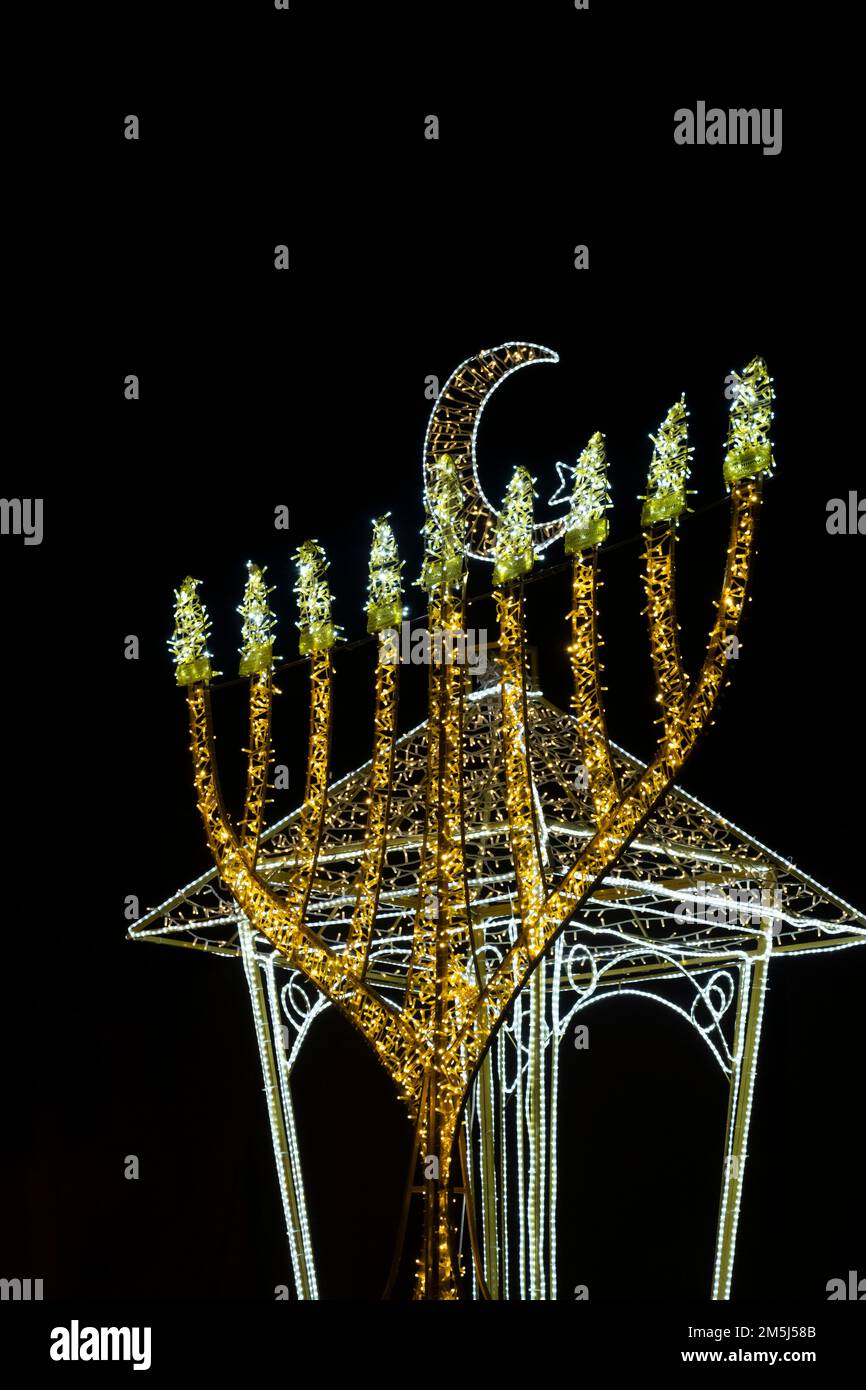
(384, 592)
(749, 450)
(259, 623)
(669, 468)
(188, 642)
(318, 632)
(513, 553)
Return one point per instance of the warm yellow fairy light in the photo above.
(318, 632)
(520, 807)
(282, 923)
(749, 450)
(384, 593)
(587, 528)
(443, 979)
(634, 804)
(432, 1044)
(188, 642)
(259, 623)
(669, 467)
(513, 553)
(672, 685)
(587, 525)
(443, 527)
(586, 668)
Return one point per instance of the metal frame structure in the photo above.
(745, 906)
(485, 878)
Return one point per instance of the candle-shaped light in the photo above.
(443, 527)
(749, 450)
(259, 623)
(513, 553)
(318, 632)
(587, 525)
(669, 468)
(384, 592)
(188, 642)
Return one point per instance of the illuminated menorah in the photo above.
(450, 897)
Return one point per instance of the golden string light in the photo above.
(259, 624)
(586, 524)
(587, 527)
(749, 451)
(188, 643)
(669, 468)
(513, 554)
(443, 527)
(318, 632)
(433, 1041)
(384, 592)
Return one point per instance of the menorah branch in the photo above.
(369, 880)
(519, 799)
(587, 699)
(388, 1032)
(258, 763)
(388, 845)
(616, 831)
(443, 969)
(672, 685)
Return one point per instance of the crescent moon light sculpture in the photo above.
(453, 429)
(491, 873)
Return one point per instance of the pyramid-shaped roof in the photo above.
(690, 877)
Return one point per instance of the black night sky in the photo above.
(307, 388)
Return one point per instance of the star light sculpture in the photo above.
(463, 897)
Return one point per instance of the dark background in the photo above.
(306, 388)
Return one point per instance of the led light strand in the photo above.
(669, 468)
(513, 554)
(188, 642)
(384, 591)
(433, 1040)
(749, 450)
(259, 624)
